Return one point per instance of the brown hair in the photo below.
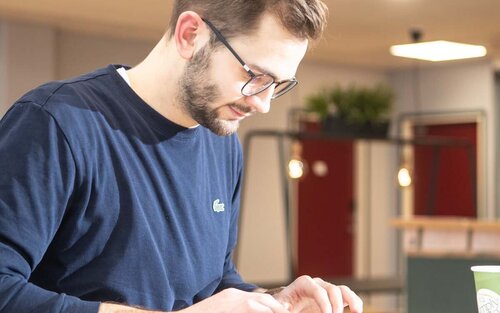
(305, 19)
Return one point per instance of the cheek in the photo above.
(228, 76)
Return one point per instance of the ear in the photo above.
(190, 32)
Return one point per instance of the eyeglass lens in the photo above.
(257, 84)
(283, 88)
(261, 82)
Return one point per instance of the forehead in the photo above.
(271, 48)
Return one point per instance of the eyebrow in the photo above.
(263, 70)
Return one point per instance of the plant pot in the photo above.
(340, 128)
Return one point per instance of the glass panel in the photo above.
(257, 84)
(283, 88)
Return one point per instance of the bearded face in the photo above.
(197, 95)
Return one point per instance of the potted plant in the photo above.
(353, 111)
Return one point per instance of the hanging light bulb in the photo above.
(296, 166)
(404, 177)
(295, 169)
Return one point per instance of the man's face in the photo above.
(210, 88)
(198, 91)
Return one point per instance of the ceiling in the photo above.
(359, 32)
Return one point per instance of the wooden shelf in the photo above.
(445, 236)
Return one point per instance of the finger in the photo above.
(350, 298)
(256, 307)
(273, 304)
(334, 295)
(320, 295)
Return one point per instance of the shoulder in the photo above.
(50, 93)
(70, 94)
(82, 108)
(78, 103)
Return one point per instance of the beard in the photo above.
(196, 92)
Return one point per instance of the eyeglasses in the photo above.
(257, 82)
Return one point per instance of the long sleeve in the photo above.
(37, 174)
(232, 278)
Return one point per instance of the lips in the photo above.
(239, 113)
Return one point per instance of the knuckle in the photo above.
(321, 290)
(344, 287)
(336, 290)
(332, 288)
(305, 277)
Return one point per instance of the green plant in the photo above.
(354, 105)
(319, 103)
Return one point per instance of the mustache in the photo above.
(242, 108)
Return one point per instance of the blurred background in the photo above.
(338, 219)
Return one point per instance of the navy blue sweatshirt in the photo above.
(103, 199)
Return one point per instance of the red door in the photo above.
(325, 205)
(452, 191)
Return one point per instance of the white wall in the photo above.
(78, 53)
(496, 130)
(27, 59)
(376, 189)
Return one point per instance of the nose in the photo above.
(261, 102)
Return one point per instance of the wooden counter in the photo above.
(439, 253)
(448, 235)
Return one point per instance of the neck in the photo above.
(156, 78)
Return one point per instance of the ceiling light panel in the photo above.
(440, 50)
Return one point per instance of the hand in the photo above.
(236, 301)
(314, 295)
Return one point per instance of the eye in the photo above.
(244, 75)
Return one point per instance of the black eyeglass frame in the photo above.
(291, 82)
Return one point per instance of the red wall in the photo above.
(454, 195)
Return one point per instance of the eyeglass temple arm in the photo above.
(224, 41)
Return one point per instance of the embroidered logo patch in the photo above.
(218, 206)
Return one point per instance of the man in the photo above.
(113, 199)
